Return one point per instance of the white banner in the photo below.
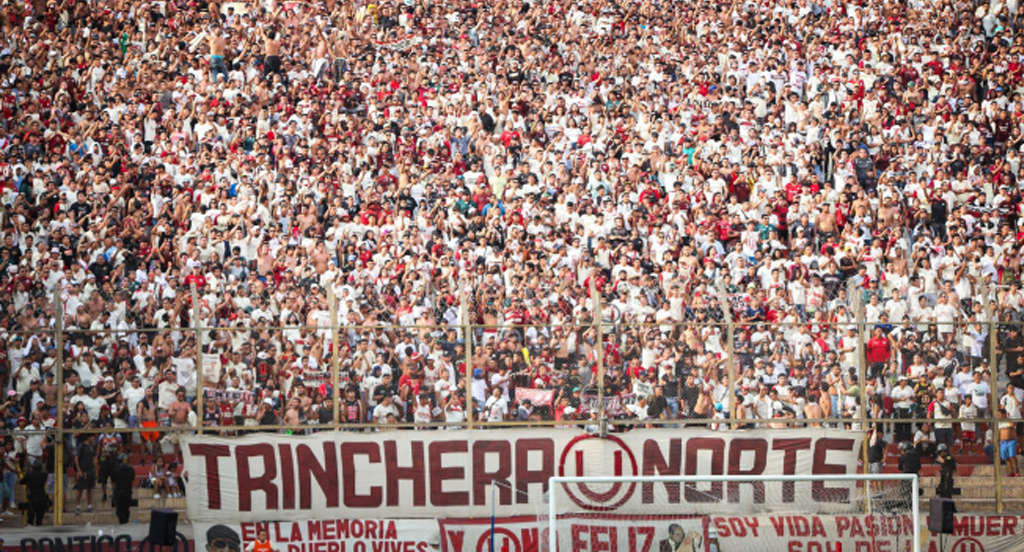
(800, 533)
(323, 535)
(441, 474)
(866, 533)
(598, 532)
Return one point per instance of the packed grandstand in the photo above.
(460, 178)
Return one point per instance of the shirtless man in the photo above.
(1008, 444)
(340, 51)
(217, 63)
(826, 224)
(320, 257)
(291, 413)
(813, 411)
(271, 51)
(178, 411)
(320, 55)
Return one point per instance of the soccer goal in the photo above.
(813, 513)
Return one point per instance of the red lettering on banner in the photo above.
(313, 530)
(1009, 526)
(455, 539)
(326, 475)
(790, 448)
(815, 546)
(722, 527)
(760, 449)
(655, 464)
(646, 538)
(528, 539)
(842, 525)
(524, 475)
(482, 477)
(717, 448)
(992, 526)
(348, 473)
(248, 531)
(819, 491)
(439, 474)
(247, 484)
(737, 527)
(857, 528)
(287, 476)
(211, 453)
(415, 473)
(578, 544)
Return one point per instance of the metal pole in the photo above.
(993, 368)
(552, 515)
(915, 501)
(730, 347)
(494, 497)
(465, 293)
(335, 358)
(58, 446)
(595, 301)
(200, 377)
(862, 377)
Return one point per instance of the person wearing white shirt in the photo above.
(902, 399)
(496, 407)
(980, 391)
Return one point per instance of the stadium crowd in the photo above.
(412, 158)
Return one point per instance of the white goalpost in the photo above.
(813, 513)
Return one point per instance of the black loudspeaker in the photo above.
(163, 527)
(940, 515)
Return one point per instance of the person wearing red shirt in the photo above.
(878, 352)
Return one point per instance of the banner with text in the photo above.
(331, 535)
(578, 532)
(438, 474)
(977, 533)
(799, 533)
(866, 533)
(92, 538)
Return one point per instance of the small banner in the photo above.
(321, 535)
(537, 397)
(653, 533)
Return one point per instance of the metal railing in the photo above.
(591, 343)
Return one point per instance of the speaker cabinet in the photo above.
(163, 527)
(940, 515)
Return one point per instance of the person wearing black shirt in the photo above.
(123, 478)
(85, 471)
(947, 468)
(1012, 346)
(939, 216)
(387, 385)
(689, 394)
(35, 491)
(657, 408)
(671, 389)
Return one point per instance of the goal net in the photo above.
(821, 513)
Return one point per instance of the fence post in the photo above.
(467, 331)
(332, 301)
(993, 369)
(730, 348)
(599, 355)
(862, 377)
(58, 446)
(200, 376)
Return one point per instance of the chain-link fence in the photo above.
(931, 377)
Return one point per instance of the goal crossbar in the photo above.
(557, 480)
